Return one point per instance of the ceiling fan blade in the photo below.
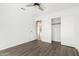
(23, 9)
(41, 8)
(39, 5)
(30, 5)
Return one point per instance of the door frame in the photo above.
(38, 24)
(51, 29)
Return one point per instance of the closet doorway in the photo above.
(56, 29)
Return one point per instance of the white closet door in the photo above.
(56, 33)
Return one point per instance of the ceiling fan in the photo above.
(39, 5)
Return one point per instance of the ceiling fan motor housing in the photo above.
(36, 4)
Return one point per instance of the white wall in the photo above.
(69, 26)
(16, 26)
(77, 28)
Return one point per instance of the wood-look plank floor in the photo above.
(38, 48)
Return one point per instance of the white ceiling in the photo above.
(59, 6)
(50, 8)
